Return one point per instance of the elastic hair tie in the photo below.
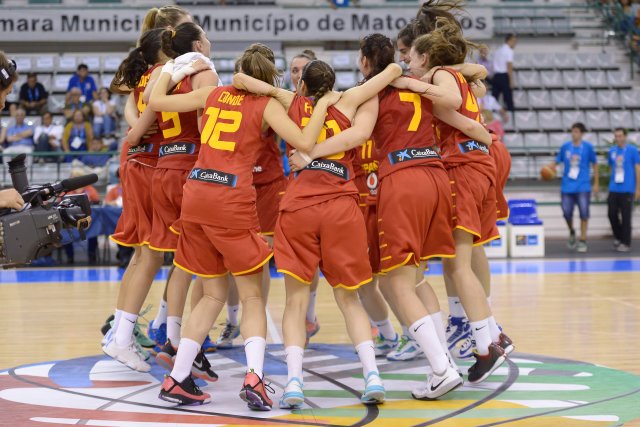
(173, 33)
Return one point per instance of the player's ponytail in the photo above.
(139, 60)
(149, 21)
(445, 45)
(259, 62)
(8, 73)
(165, 17)
(180, 41)
(431, 10)
(379, 51)
(319, 78)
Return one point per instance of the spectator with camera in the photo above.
(48, 137)
(104, 115)
(75, 103)
(33, 95)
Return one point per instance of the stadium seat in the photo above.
(526, 120)
(573, 78)
(556, 139)
(564, 61)
(607, 61)
(608, 98)
(523, 212)
(551, 79)
(591, 137)
(226, 78)
(345, 79)
(544, 26)
(630, 98)
(105, 80)
(620, 119)
(597, 120)
(571, 117)
(634, 137)
(636, 119)
(281, 64)
(521, 61)
(596, 79)
(521, 99)
(562, 99)
(550, 120)
(619, 79)
(55, 103)
(23, 63)
(91, 61)
(46, 80)
(528, 79)
(60, 82)
(539, 99)
(585, 99)
(225, 65)
(587, 61)
(604, 138)
(45, 62)
(342, 61)
(536, 141)
(112, 62)
(542, 61)
(513, 140)
(67, 63)
(33, 120)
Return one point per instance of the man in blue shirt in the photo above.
(576, 156)
(84, 82)
(19, 137)
(624, 185)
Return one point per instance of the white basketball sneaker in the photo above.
(128, 356)
(438, 385)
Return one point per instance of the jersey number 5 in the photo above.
(215, 127)
(417, 108)
(174, 130)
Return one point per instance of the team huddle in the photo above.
(385, 176)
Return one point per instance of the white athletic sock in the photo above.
(482, 335)
(489, 301)
(405, 331)
(174, 323)
(254, 348)
(161, 317)
(294, 356)
(386, 329)
(187, 353)
(424, 332)
(232, 314)
(367, 355)
(493, 329)
(124, 333)
(116, 319)
(437, 322)
(311, 311)
(455, 307)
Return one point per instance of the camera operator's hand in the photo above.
(11, 199)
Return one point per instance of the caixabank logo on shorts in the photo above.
(469, 146)
(213, 176)
(177, 148)
(142, 148)
(334, 168)
(407, 154)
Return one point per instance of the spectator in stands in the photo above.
(75, 103)
(503, 80)
(77, 135)
(33, 96)
(488, 102)
(484, 60)
(47, 137)
(576, 156)
(92, 242)
(334, 4)
(624, 186)
(19, 137)
(114, 198)
(83, 81)
(104, 114)
(96, 160)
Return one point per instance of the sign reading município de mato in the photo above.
(225, 23)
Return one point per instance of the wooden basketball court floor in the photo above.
(575, 323)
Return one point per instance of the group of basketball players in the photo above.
(385, 176)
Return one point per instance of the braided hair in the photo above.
(319, 78)
(378, 49)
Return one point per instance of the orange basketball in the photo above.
(547, 173)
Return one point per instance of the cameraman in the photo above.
(8, 76)
(11, 199)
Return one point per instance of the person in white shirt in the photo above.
(104, 114)
(47, 136)
(503, 72)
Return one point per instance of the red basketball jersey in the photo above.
(502, 159)
(268, 166)
(219, 190)
(147, 151)
(366, 167)
(181, 138)
(457, 148)
(323, 179)
(404, 131)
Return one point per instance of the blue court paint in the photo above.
(498, 267)
(74, 372)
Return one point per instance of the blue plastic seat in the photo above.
(523, 212)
